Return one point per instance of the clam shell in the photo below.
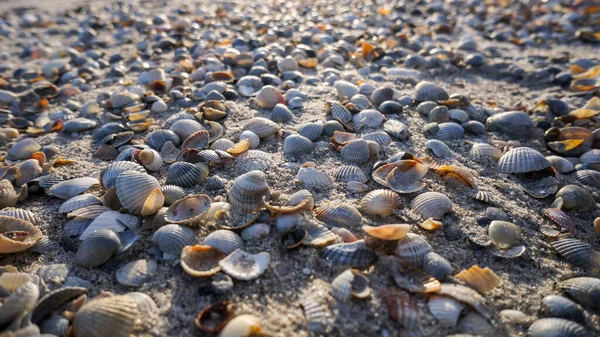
(427, 91)
(172, 238)
(88, 212)
(248, 191)
(136, 273)
(412, 248)
(299, 198)
(23, 149)
(446, 310)
(296, 145)
(313, 178)
(54, 300)
(183, 129)
(562, 307)
(480, 279)
(576, 198)
(511, 253)
(108, 316)
(97, 248)
(381, 95)
(504, 234)
(522, 160)
(145, 303)
(449, 131)
(589, 177)
(139, 193)
(590, 157)
(330, 127)
(262, 127)
(281, 114)
(460, 174)
(224, 241)
(109, 175)
(381, 138)
(368, 118)
(481, 151)
(312, 130)
(197, 140)
(556, 327)
(431, 205)
(341, 215)
(188, 210)
(214, 317)
(29, 170)
(401, 176)
(474, 128)
(70, 188)
(438, 148)
(350, 283)
(379, 202)
(201, 261)
(76, 226)
(396, 129)
(356, 151)
(578, 253)
(467, 296)
(19, 302)
(268, 97)
(436, 265)
(584, 290)
(17, 235)
(172, 193)
(106, 220)
(79, 201)
(157, 139)
(516, 124)
(185, 174)
(339, 112)
(348, 173)
(10, 281)
(78, 125)
(317, 235)
(356, 253)
(245, 266)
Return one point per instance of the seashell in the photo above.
(329, 127)
(201, 261)
(253, 139)
(556, 327)
(412, 248)
(223, 143)
(148, 158)
(578, 253)
(268, 97)
(139, 193)
(70, 188)
(446, 310)
(19, 214)
(248, 191)
(312, 130)
(436, 265)
(253, 160)
(10, 281)
(390, 107)
(522, 160)
(431, 224)
(516, 124)
(300, 197)
(342, 138)
(562, 307)
(281, 114)
(315, 311)
(401, 176)
(482, 196)
(449, 131)
(183, 129)
(172, 238)
(409, 277)
(293, 238)
(145, 303)
(348, 173)
(97, 248)
(172, 193)
(245, 266)
(381, 95)
(576, 198)
(23, 149)
(109, 175)
(29, 170)
(224, 241)
(480, 279)
(510, 253)
(118, 139)
(339, 112)
(504, 234)
(262, 127)
(311, 178)
(341, 215)
(439, 114)
(438, 148)
(188, 210)
(589, 177)
(128, 220)
(571, 141)
(76, 226)
(431, 205)
(350, 283)
(388, 232)
(17, 235)
(8, 196)
(78, 125)
(185, 174)
(396, 129)
(317, 235)
(584, 290)
(214, 317)
(214, 110)
(474, 323)
(431, 128)
(460, 174)
(79, 201)
(379, 202)
(401, 308)
(427, 91)
(590, 157)
(357, 187)
(345, 89)
(19, 302)
(356, 151)
(56, 299)
(467, 296)
(368, 118)
(379, 137)
(106, 316)
(88, 212)
(474, 128)
(295, 145)
(356, 253)
(158, 138)
(256, 231)
(242, 326)
(560, 218)
(136, 273)
(481, 151)
(197, 140)
(105, 220)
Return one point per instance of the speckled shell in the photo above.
(313, 178)
(172, 193)
(345, 89)
(521, 160)
(558, 327)
(296, 145)
(339, 112)
(136, 273)
(201, 261)
(446, 310)
(185, 174)
(268, 97)
(427, 91)
(156, 139)
(431, 205)
(412, 248)
(139, 193)
(482, 151)
(379, 202)
(184, 128)
(449, 131)
(223, 144)
(576, 198)
(248, 190)
(97, 248)
(516, 124)
(20, 301)
(436, 265)
(584, 290)
(356, 151)
(172, 238)
(348, 284)
(262, 127)
(11, 224)
(108, 316)
(245, 266)
(396, 129)
(341, 215)
(78, 202)
(561, 307)
(349, 173)
(356, 253)
(109, 175)
(312, 130)
(224, 241)
(70, 188)
(281, 114)
(578, 253)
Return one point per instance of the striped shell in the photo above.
(356, 151)
(201, 261)
(330, 127)
(97, 248)
(281, 114)
(109, 175)
(19, 214)
(379, 202)
(379, 137)
(516, 124)
(348, 173)
(412, 248)
(136, 273)
(480, 279)
(584, 290)
(356, 253)
(248, 190)
(589, 177)
(188, 210)
(402, 176)
(21, 301)
(172, 193)
(224, 241)
(311, 178)
(449, 131)
(350, 283)
(262, 127)
(78, 202)
(223, 144)
(197, 140)
(562, 307)
(396, 129)
(316, 312)
(427, 91)
(576, 198)
(245, 266)
(438, 148)
(590, 157)
(387, 232)
(431, 205)
(339, 112)
(107, 316)
(139, 193)
(436, 265)
(446, 310)
(70, 188)
(106, 220)
(157, 139)
(578, 253)
(251, 136)
(482, 151)
(184, 128)
(172, 238)
(522, 160)
(401, 308)
(296, 145)
(317, 235)
(345, 89)
(342, 215)
(185, 174)
(17, 235)
(312, 130)
(558, 327)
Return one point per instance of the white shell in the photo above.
(136, 273)
(245, 266)
(79, 201)
(139, 193)
(313, 178)
(70, 188)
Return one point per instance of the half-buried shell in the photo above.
(171, 239)
(522, 160)
(108, 316)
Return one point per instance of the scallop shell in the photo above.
(262, 127)
(584, 290)
(248, 191)
(157, 139)
(350, 283)
(396, 129)
(106, 220)
(348, 173)
(412, 248)
(224, 241)
(578, 253)
(379, 202)
(431, 205)
(296, 145)
(17, 235)
(481, 151)
(516, 124)
(356, 253)
(446, 310)
(19, 214)
(136, 273)
(172, 238)
(97, 248)
(449, 131)
(556, 327)
(109, 175)
(589, 177)
(341, 215)
(562, 307)
(522, 160)
(79, 201)
(268, 97)
(108, 316)
(427, 91)
(185, 174)
(245, 266)
(313, 178)
(139, 193)
(576, 198)
(356, 151)
(188, 210)
(481, 279)
(184, 129)
(70, 188)
(201, 261)
(401, 176)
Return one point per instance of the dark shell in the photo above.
(516, 124)
(427, 91)
(556, 327)
(562, 307)
(584, 290)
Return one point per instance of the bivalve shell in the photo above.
(136, 273)
(449, 131)
(70, 188)
(427, 91)
(341, 215)
(482, 151)
(262, 127)
(188, 210)
(245, 266)
(522, 160)
(584, 290)
(431, 205)
(183, 129)
(396, 129)
(108, 316)
(562, 307)
(379, 202)
(350, 283)
(558, 327)
(109, 175)
(356, 151)
(296, 145)
(281, 114)
(516, 124)
(348, 173)
(97, 248)
(224, 241)
(576, 198)
(172, 238)
(139, 193)
(201, 261)
(412, 248)
(480, 279)
(356, 253)
(186, 174)
(312, 178)
(248, 191)
(446, 310)
(578, 253)
(78, 202)
(312, 130)
(268, 97)
(172, 193)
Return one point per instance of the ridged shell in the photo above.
(480, 279)
(222, 144)
(172, 238)
(252, 138)
(20, 301)
(522, 160)
(172, 193)
(253, 160)
(70, 188)
(296, 145)
(516, 124)
(356, 151)
(438, 148)
(379, 202)
(431, 205)
(589, 177)
(29, 170)
(145, 303)
(576, 198)
(19, 214)
(224, 241)
(312, 130)
(281, 114)
(268, 97)
(109, 175)
(106, 220)
(468, 296)
(356, 253)
(109, 316)
(76, 226)
(139, 193)
(436, 265)
(427, 91)
(556, 327)
(54, 300)
(88, 212)
(188, 210)
(402, 176)
(474, 127)
(590, 157)
(482, 151)
(79, 201)
(330, 127)
(348, 173)
(248, 190)
(339, 112)
(317, 235)
(23, 149)
(97, 248)
(184, 128)
(197, 140)
(388, 232)
(401, 308)
(449, 131)
(412, 248)
(368, 118)
(342, 215)
(262, 127)
(562, 307)
(584, 290)
(446, 310)
(578, 253)
(315, 311)
(17, 235)
(345, 89)
(379, 137)
(350, 283)
(136, 273)
(381, 95)
(201, 261)
(245, 266)
(158, 138)
(185, 174)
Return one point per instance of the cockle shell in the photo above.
(17, 235)
(379, 202)
(136, 273)
(224, 241)
(556, 327)
(245, 266)
(248, 191)
(431, 205)
(109, 175)
(522, 160)
(350, 283)
(295, 145)
(356, 253)
(311, 178)
(562, 307)
(268, 97)
(108, 316)
(201, 261)
(584, 290)
(172, 238)
(70, 188)
(427, 91)
(139, 193)
(188, 210)
(97, 248)
(262, 127)
(341, 215)
(412, 248)
(79, 201)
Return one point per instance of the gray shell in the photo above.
(262, 127)
(295, 145)
(589, 177)
(184, 128)
(224, 241)
(556, 327)
(483, 151)
(578, 253)
(576, 198)
(449, 131)
(474, 127)
(378, 137)
(312, 130)
(516, 124)
(79, 201)
(156, 139)
(356, 151)
(252, 137)
(522, 160)
(590, 157)
(281, 114)
(185, 174)
(427, 91)
(79, 124)
(70, 188)
(23, 149)
(438, 148)
(584, 290)
(431, 205)
(412, 248)
(172, 238)
(562, 307)
(136, 273)
(356, 253)
(172, 193)
(396, 129)
(330, 127)
(109, 175)
(341, 215)
(97, 248)
(349, 173)
(436, 265)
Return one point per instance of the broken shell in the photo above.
(201, 261)
(431, 224)
(139, 193)
(197, 140)
(431, 205)
(107, 316)
(136, 273)
(562, 307)
(70, 188)
(293, 238)
(106, 220)
(403, 175)
(350, 283)
(262, 127)
(401, 308)
(379, 202)
(427, 91)
(311, 178)
(248, 191)
(19, 214)
(97, 248)
(188, 210)
(480, 279)
(296, 145)
(17, 235)
(157, 139)
(560, 218)
(242, 326)
(172, 238)
(19, 302)
(396, 129)
(555, 327)
(341, 215)
(388, 232)
(522, 160)
(412, 248)
(461, 174)
(468, 296)
(224, 241)
(356, 253)
(446, 310)
(317, 235)
(214, 317)
(245, 266)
